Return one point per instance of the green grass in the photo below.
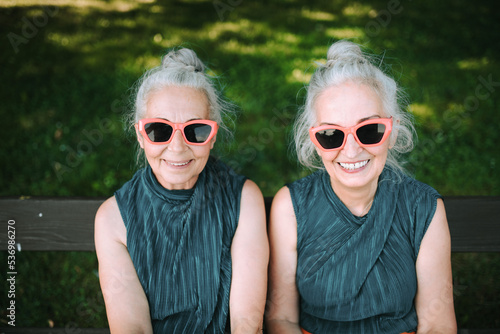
(64, 93)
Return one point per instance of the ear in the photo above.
(394, 134)
(212, 141)
(140, 139)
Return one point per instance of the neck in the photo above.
(357, 200)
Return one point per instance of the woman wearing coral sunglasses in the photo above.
(182, 246)
(358, 246)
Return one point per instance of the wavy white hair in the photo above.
(180, 67)
(347, 62)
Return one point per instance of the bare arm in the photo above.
(434, 300)
(126, 304)
(250, 257)
(283, 297)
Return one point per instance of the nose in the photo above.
(177, 144)
(351, 148)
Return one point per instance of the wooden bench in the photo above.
(67, 224)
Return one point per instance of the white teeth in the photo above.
(354, 165)
(179, 164)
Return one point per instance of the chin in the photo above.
(352, 179)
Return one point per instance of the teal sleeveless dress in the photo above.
(357, 274)
(180, 244)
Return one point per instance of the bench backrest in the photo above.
(67, 224)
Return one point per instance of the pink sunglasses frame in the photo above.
(351, 130)
(176, 126)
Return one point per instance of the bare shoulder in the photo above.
(283, 199)
(109, 223)
(283, 223)
(438, 233)
(108, 208)
(251, 191)
(252, 210)
(251, 230)
(282, 211)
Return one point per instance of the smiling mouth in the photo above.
(353, 166)
(178, 164)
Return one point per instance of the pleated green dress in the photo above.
(180, 244)
(357, 274)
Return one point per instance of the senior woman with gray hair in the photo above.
(182, 246)
(358, 246)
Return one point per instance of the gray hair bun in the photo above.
(183, 58)
(344, 52)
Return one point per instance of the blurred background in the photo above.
(67, 68)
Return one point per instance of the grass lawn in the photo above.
(67, 70)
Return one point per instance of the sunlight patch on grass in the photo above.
(139, 64)
(318, 16)
(421, 110)
(172, 41)
(117, 5)
(243, 27)
(60, 39)
(314, 56)
(299, 76)
(127, 23)
(287, 38)
(234, 46)
(227, 33)
(357, 10)
(27, 123)
(82, 42)
(457, 113)
(304, 68)
(156, 9)
(35, 12)
(270, 48)
(341, 33)
(473, 64)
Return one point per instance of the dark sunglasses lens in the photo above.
(158, 132)
(197, 133)
(330, 138)
(371, 133)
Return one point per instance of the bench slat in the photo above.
(67, 224)
(50, 224)
(474, 223)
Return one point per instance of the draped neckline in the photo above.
(367, 235)
(385, 184)
(341, 208)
